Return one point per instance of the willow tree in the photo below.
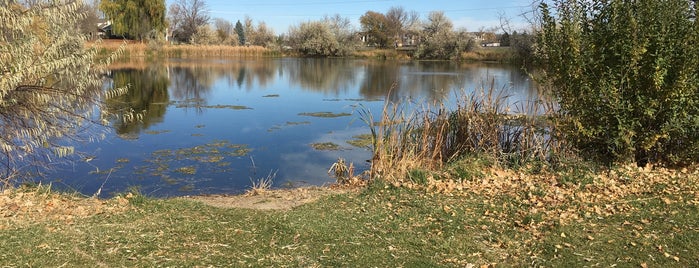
(49, 82)
(137, 19)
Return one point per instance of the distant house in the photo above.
(104, 28)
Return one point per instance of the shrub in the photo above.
(625, 74)
(49, 83)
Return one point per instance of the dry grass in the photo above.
(145, 49)
(376, 53)
(31, 205)
(262, 185)
(482, 124)
(499, 54)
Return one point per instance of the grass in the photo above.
(495, 54)
(379, 226)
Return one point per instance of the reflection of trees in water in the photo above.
(148, 94)
(431, 81)
(378, 80)
(330, 76)
(428, 81)
(191, 83)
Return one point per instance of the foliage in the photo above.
(626, 75)
(505, 39)
(186, 18)
(441, 42)
(384, 30)
(375, 27)
(314, 39)
(205, 36)
(522, 44)
(258, 36)
(241, 33)
(138, 19)
(341, 29)
(49, 82)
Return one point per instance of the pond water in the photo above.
(213, 126)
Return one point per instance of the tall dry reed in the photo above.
(149, 49)
(483, 123)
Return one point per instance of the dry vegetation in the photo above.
(482, 125)
(26, 205)
(134, 49)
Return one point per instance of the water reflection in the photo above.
(251, 118)
(148, 95)
(329, 76)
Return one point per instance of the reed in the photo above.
(497, 54)
(413, 136)
(153, 49)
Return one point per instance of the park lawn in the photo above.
(380, 225)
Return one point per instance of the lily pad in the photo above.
(325, 146)
(155, 132)
(190, 170)
(361, 141)
(325, 114)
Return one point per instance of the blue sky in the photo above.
(279, 15)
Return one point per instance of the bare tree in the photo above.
(224, 31)
(186, 17)
(263, 35)
(249, 28)
(399, 21)
(88, 24)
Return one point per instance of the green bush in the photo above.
(626, 76)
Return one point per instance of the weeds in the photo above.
(483, 123)
(262, 185)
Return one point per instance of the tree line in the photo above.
(187, 21)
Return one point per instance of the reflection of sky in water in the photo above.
(276, 91)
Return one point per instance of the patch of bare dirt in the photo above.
(270, 199)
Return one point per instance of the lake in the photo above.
(213, 126)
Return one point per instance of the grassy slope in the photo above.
(381, 226)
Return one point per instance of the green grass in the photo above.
(380, 226)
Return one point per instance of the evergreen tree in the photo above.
(241, 32)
